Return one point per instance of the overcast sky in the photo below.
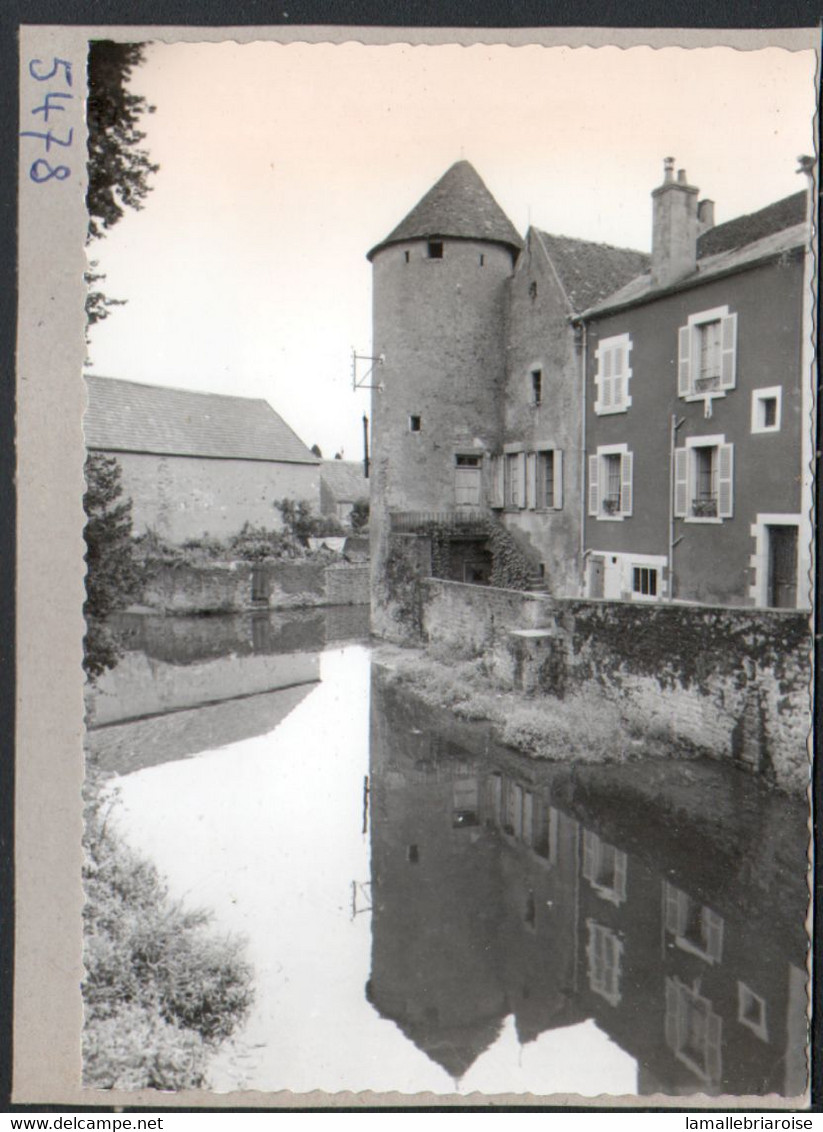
(281, 165)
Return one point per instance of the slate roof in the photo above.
(345, 479)
(708, 267)
(779, 227)
(753, 226)
(458, 206)
(125, 416)
(589, 272)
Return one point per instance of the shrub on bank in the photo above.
(161, 990)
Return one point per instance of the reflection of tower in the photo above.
(439, 283)
(436, 896)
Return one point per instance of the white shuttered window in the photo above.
(611, 482)
(704, 480)
(613, 375)
(707, 354)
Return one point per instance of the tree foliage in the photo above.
(112, 573)
(119, 168)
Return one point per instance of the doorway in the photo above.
(782, 567)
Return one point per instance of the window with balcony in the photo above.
(604, 953)
(610, 482)
(604, 867)
(693, 1031)
(707, 354)
(695, 927)
(703, 479)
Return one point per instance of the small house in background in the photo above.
(196, 464)
(342, 484)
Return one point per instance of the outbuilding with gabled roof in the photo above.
(197, 464)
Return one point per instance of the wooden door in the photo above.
(783, 567)
(596, 576)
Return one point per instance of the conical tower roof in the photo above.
(458, 206)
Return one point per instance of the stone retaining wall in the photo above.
(233, 587)
(728, 682)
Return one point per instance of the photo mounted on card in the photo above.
(416, 443)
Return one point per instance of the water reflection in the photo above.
(664, 902)
(191, 684)
(496, 924)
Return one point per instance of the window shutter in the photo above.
(728, 354)
(684, 371)
(528, 818)
(590, 842)
(558, 479)
(521, 479)
(681, 482)
(725, 473)
(531, 480)
(714, 934)
(594, 491)
(497, 797)
(618, 392)
(671, 905)
(672, 1011)
(714, 1029)
(626, 462)
(497, 481)
(620, 870)
(606, 361)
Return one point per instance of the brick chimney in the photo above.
(674, 227)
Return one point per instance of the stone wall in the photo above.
(727, 682)
(231, 587)
(189, 497)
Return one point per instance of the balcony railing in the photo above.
(415, 522)
(704, 508)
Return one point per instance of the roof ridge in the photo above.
(177, 389)
(593, 243)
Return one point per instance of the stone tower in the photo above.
(439, 301)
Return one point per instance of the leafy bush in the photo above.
(112, 573)
(253, 544)
(161, 990)
(359, 517)
(302, 524)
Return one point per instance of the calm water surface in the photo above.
(472, 919)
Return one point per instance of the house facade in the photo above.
(198, 464)
(698, 414)
(639, 426)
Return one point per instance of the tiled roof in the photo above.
(124, 416)
(774, 244)
(743, 230)
(589, 272)
(345, 479)
(460, 206)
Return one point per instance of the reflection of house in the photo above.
(198, 464)
(505, 887)
(342, 484)
(639, 425)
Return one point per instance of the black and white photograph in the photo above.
(447, 531)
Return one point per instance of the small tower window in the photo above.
(406, 254)
(537, 386)
(533, 290)
(415, 423)
(482, 260)
(435, 249)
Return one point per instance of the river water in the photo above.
(427, 910)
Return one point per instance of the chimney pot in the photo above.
(681, 176)
(668, 169)
(705, 216)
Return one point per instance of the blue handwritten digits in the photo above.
(56, 63)
(47, 107)
(60, 172)
(49, 138)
